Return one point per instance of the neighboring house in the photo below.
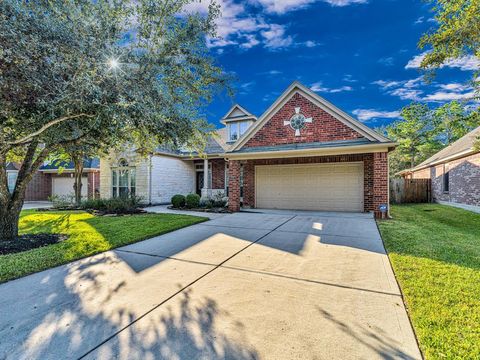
(57, 179)
(455, 172)
(302, 153)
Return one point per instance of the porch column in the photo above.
(205, 189)
(234, 185)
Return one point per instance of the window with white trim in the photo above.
(237, 129)
(123, 179)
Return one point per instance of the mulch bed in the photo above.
(211, 210)
(29, 241)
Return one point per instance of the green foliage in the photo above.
(62, 201)
(100, 73)
(120, 205)
(192, 201)
(453, 121)
(415, 134)
(423, 131)
(178, 201)
(87, 235)
(435, 253)
(457, 35)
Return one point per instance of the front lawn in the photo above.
(88, 235)
(435, 252)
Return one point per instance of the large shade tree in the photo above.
(113, 71)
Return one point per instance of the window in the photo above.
(446, 179)
(123, 179)
(237, 129)
(12, 179)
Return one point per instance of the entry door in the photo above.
(199, 182)
(328, 187)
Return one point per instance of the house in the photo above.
(455, 173)
(56, 178)
(301, 153)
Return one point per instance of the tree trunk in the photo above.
(9, 218)
(77, 186)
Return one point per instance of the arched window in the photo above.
(123, 179)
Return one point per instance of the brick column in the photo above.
(380, 181)
(249, 184)
(234, 185)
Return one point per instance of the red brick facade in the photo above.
(234, 185)
(218, 173)
(40, 187)
(324, 126)
(375, 175)
(464, 180)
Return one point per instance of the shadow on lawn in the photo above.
(76, 308)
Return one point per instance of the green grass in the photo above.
(88, 235)
(435, 252)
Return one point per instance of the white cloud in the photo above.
(283, 6)
(318, 87)
(310, 43)
(419, 20)
(465, 63)
(386, 84)
(441, 96)
(275, 37)
(407, 94)
(387, 61)
(349, 78)
(368, 114)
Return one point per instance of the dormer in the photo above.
(237, 120)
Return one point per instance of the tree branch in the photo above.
(45, 127)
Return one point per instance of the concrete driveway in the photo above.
(241, 286)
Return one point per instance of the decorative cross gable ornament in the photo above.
(297, 122)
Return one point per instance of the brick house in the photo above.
(57, 179)
(455, 173)
(302, 153)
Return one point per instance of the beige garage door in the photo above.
(329, 187)
(63, 186)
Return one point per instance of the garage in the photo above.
(62, 186)
(325, 187)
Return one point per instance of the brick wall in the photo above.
(93, 185)
(218, 173)
(380, 181)
(421, 174)
(375, 175)
(39, 188)
(324, 127)
(234, 185)
(464, 179)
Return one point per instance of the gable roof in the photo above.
(237, 113)
(297, 87)
(460, 148)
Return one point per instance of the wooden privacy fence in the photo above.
(404, 191)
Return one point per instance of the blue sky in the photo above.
(361, 55)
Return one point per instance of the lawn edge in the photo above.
(202, 219)
(400, 288)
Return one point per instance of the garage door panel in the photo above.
(63, 186)
(331, 187)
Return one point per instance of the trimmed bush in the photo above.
(178, 201)
(192, 201)
(121, 205)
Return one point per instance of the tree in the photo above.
(113, 71)
(415, 134)
(457, 35)
(454, 121)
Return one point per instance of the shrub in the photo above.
(121, 205)
(62, 202)
(219, 200)
(192, 201)
(178, 201)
